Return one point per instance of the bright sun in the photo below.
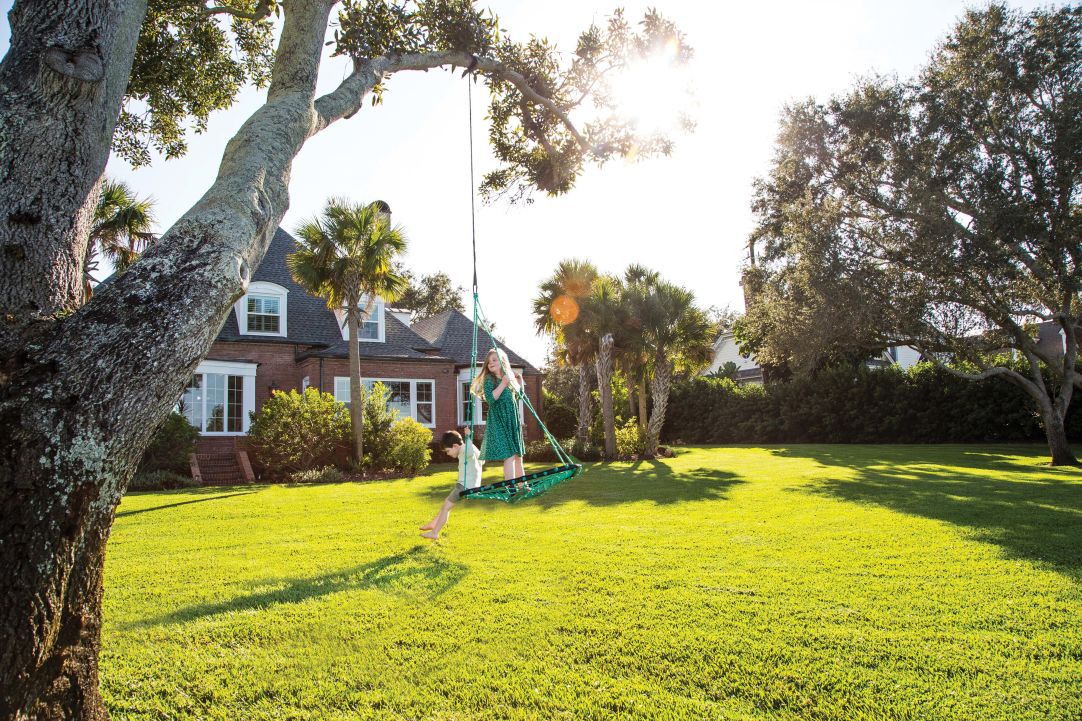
(653, 91)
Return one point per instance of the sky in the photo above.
(687, 216)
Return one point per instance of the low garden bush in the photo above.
(326, 474)
(298, 431)
(630, 440)
(409, 451)
(160, 480)
(170, 447)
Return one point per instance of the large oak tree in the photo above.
(943, 212)
(82, 386)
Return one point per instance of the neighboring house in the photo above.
(748, 370)
(277, 337)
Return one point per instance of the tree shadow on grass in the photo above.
(417, 574)
(608, 484)
(1035, 514)
(137, 511)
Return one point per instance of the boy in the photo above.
(469, 476)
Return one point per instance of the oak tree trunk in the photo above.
(81, 395)
(62, 83)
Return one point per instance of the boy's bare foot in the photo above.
(431, 534)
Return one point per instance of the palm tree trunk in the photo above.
(642, 400)
(660, 388)
(356, 406)
(582, 433)
(604, 386)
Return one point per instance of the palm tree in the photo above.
(121, 230)
(635, 353)
(556, 310)
(680, 335)
(602, 320)
(347, 255)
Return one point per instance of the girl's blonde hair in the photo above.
(478, 387)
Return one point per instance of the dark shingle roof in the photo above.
(308, 320)
(399, 342)
(452, 333)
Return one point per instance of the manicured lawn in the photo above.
(806, 582)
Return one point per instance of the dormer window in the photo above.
(262, 310)
(372, 329)
(264, 314)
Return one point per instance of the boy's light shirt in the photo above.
(469, 474)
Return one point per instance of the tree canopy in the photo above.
(941, 212)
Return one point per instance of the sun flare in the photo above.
(653, 92)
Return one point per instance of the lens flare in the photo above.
(564, 310)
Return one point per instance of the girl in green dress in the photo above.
(503, 428)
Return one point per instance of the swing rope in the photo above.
(530, 484)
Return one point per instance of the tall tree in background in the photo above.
(602, 321)
(943, 213)
(635, 352)
(430, 295)
(84, 385)
(556, 309)
(679, 336)
(347, 257)
(121, 230)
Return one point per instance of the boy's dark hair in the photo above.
(451, 438)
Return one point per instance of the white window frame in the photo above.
(464, 377)
(231, 368)
(341, 393)
(268, 289)
(378, 311)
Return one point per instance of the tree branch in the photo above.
(262, 11)
(347, 98)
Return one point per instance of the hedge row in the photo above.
(857, 405)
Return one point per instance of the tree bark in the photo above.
(643, 410)
(582, 432)
(604, 385)
(1055, 431)
(356, 400)
(62, 83)
(74, 421)
(659, 387)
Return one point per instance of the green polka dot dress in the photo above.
(503, 430)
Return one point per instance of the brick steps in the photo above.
(220, 469)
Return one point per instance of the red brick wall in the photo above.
(278, 367)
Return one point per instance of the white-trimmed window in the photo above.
(412, 398)
(263, 309)
(373, 329)
(480, 406)
(220, 397)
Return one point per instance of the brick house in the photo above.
(278, 337)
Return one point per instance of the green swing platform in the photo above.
(529, 485)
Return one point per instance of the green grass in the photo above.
(805, 582)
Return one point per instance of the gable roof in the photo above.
(452, 333)
(308, 320)
(399, 342)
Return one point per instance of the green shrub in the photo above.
(540, 452)
(326, 474)
(160, 480)
(559, 418)
(630, 440)
(170, 447)
(298, 431)
(855, 405)
(409, 451)
(378, 421)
